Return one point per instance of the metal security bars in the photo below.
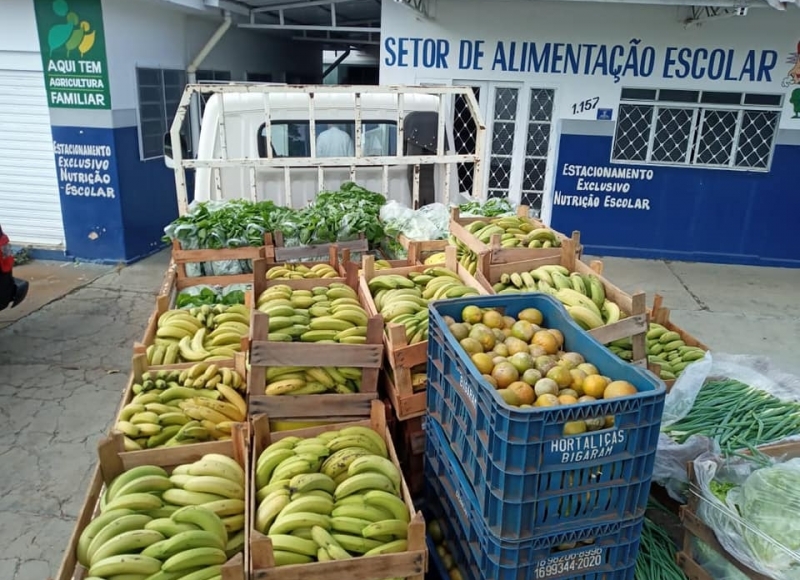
(435, 158)
(537, 147)
(718, 130)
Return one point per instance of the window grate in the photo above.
(159, 93)
(716, 132)
(464, 139)
(540, 116)
(502, 148)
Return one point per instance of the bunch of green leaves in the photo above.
(493, 207)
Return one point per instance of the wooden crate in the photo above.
(635, 325)
(275, 249)
(496, 253)
(419, 250)
(410, 444)
(162, 305)
(340, 407)
(261, 267)
(139, 367)
(181, 257)
(660, 314)
(696, 530)
(411, 564)
(113, 460)
(402, 357)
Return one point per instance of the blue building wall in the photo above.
(684, 213)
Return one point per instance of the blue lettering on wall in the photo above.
(618, 61)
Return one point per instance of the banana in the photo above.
(194, 558)
(134, 501)
(216, 485)
(125, 564)
(288, 543)
(396, 528)
(286, 524)
(93, 529)
(361, 511)
(284, 387)
(269, 509)
(370, 434)
(230, 412)
(611, 312)
(292, 467)
(284, 558)
(196, 411)
(268, 461)
(127, 428)
(145, 484)
(597, 291)
(389, 548)
(280, 485)
(585, 317)
(356, 440)
(202, 518)
(308, 504)
(388, 502)
(376, 464)
(235, 544)
(233, 398)
(128, 523)
(348, 525)
(182, 497)
(357, 544)
(168, 528)
(178, 392)
(205, 573)
(312, 481)
(184, 541)
(363, 481)
(339, 462)
(214, 467)
(225, 507)
(126, 543)
(324, 540)
(173, 418)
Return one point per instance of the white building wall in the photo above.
(764, 40)
(19, 48)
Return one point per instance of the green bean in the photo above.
(656, 558)
(736, 415)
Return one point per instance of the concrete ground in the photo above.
(63, 368)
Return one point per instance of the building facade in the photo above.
(88, 88)
(654, 130)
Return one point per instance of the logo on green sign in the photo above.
(73, 53)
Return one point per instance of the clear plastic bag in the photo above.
(758, 372)
(759, 521)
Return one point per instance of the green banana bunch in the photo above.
(515, 232)
(202, 333)
(583, 295)
(313, 380)
(664, 348)
(290, 271)
(176, 525)
(327, 314)
(170, 408)
(403, 299)
(331, 497)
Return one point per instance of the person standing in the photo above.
(335, 142)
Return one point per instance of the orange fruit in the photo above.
(493, 319)
(567, 400)
(559, 336)
(547, 340)
(505, 373)
(484, 362)
(574, 427)
(560, 375)
(578, 376)
(509, 397)
(547, 401)
(594, 386)
(618, 389)
(532, 315)
(586, 399)
(523, 391)
(471, 314)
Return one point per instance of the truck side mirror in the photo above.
(168, 161)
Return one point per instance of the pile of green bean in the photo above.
(737, 416)
(656, 559)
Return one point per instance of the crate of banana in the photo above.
(172, 408)
(331, 499)
(173, 517)
(504, 239)
(201, 333)
(342, 376)
(665, 348)
(601, 308)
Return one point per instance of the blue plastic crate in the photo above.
(528, 477)
(454, 538)
(604, 552)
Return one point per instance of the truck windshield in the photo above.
(334, 139)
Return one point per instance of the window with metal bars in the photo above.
(712, 129)
(159, 93)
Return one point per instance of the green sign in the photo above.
(73, 50)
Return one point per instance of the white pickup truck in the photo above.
(286, 143)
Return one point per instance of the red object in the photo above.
(6, 258)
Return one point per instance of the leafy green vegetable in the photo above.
(720, 489)
(492, 208)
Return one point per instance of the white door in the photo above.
(30, 208)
